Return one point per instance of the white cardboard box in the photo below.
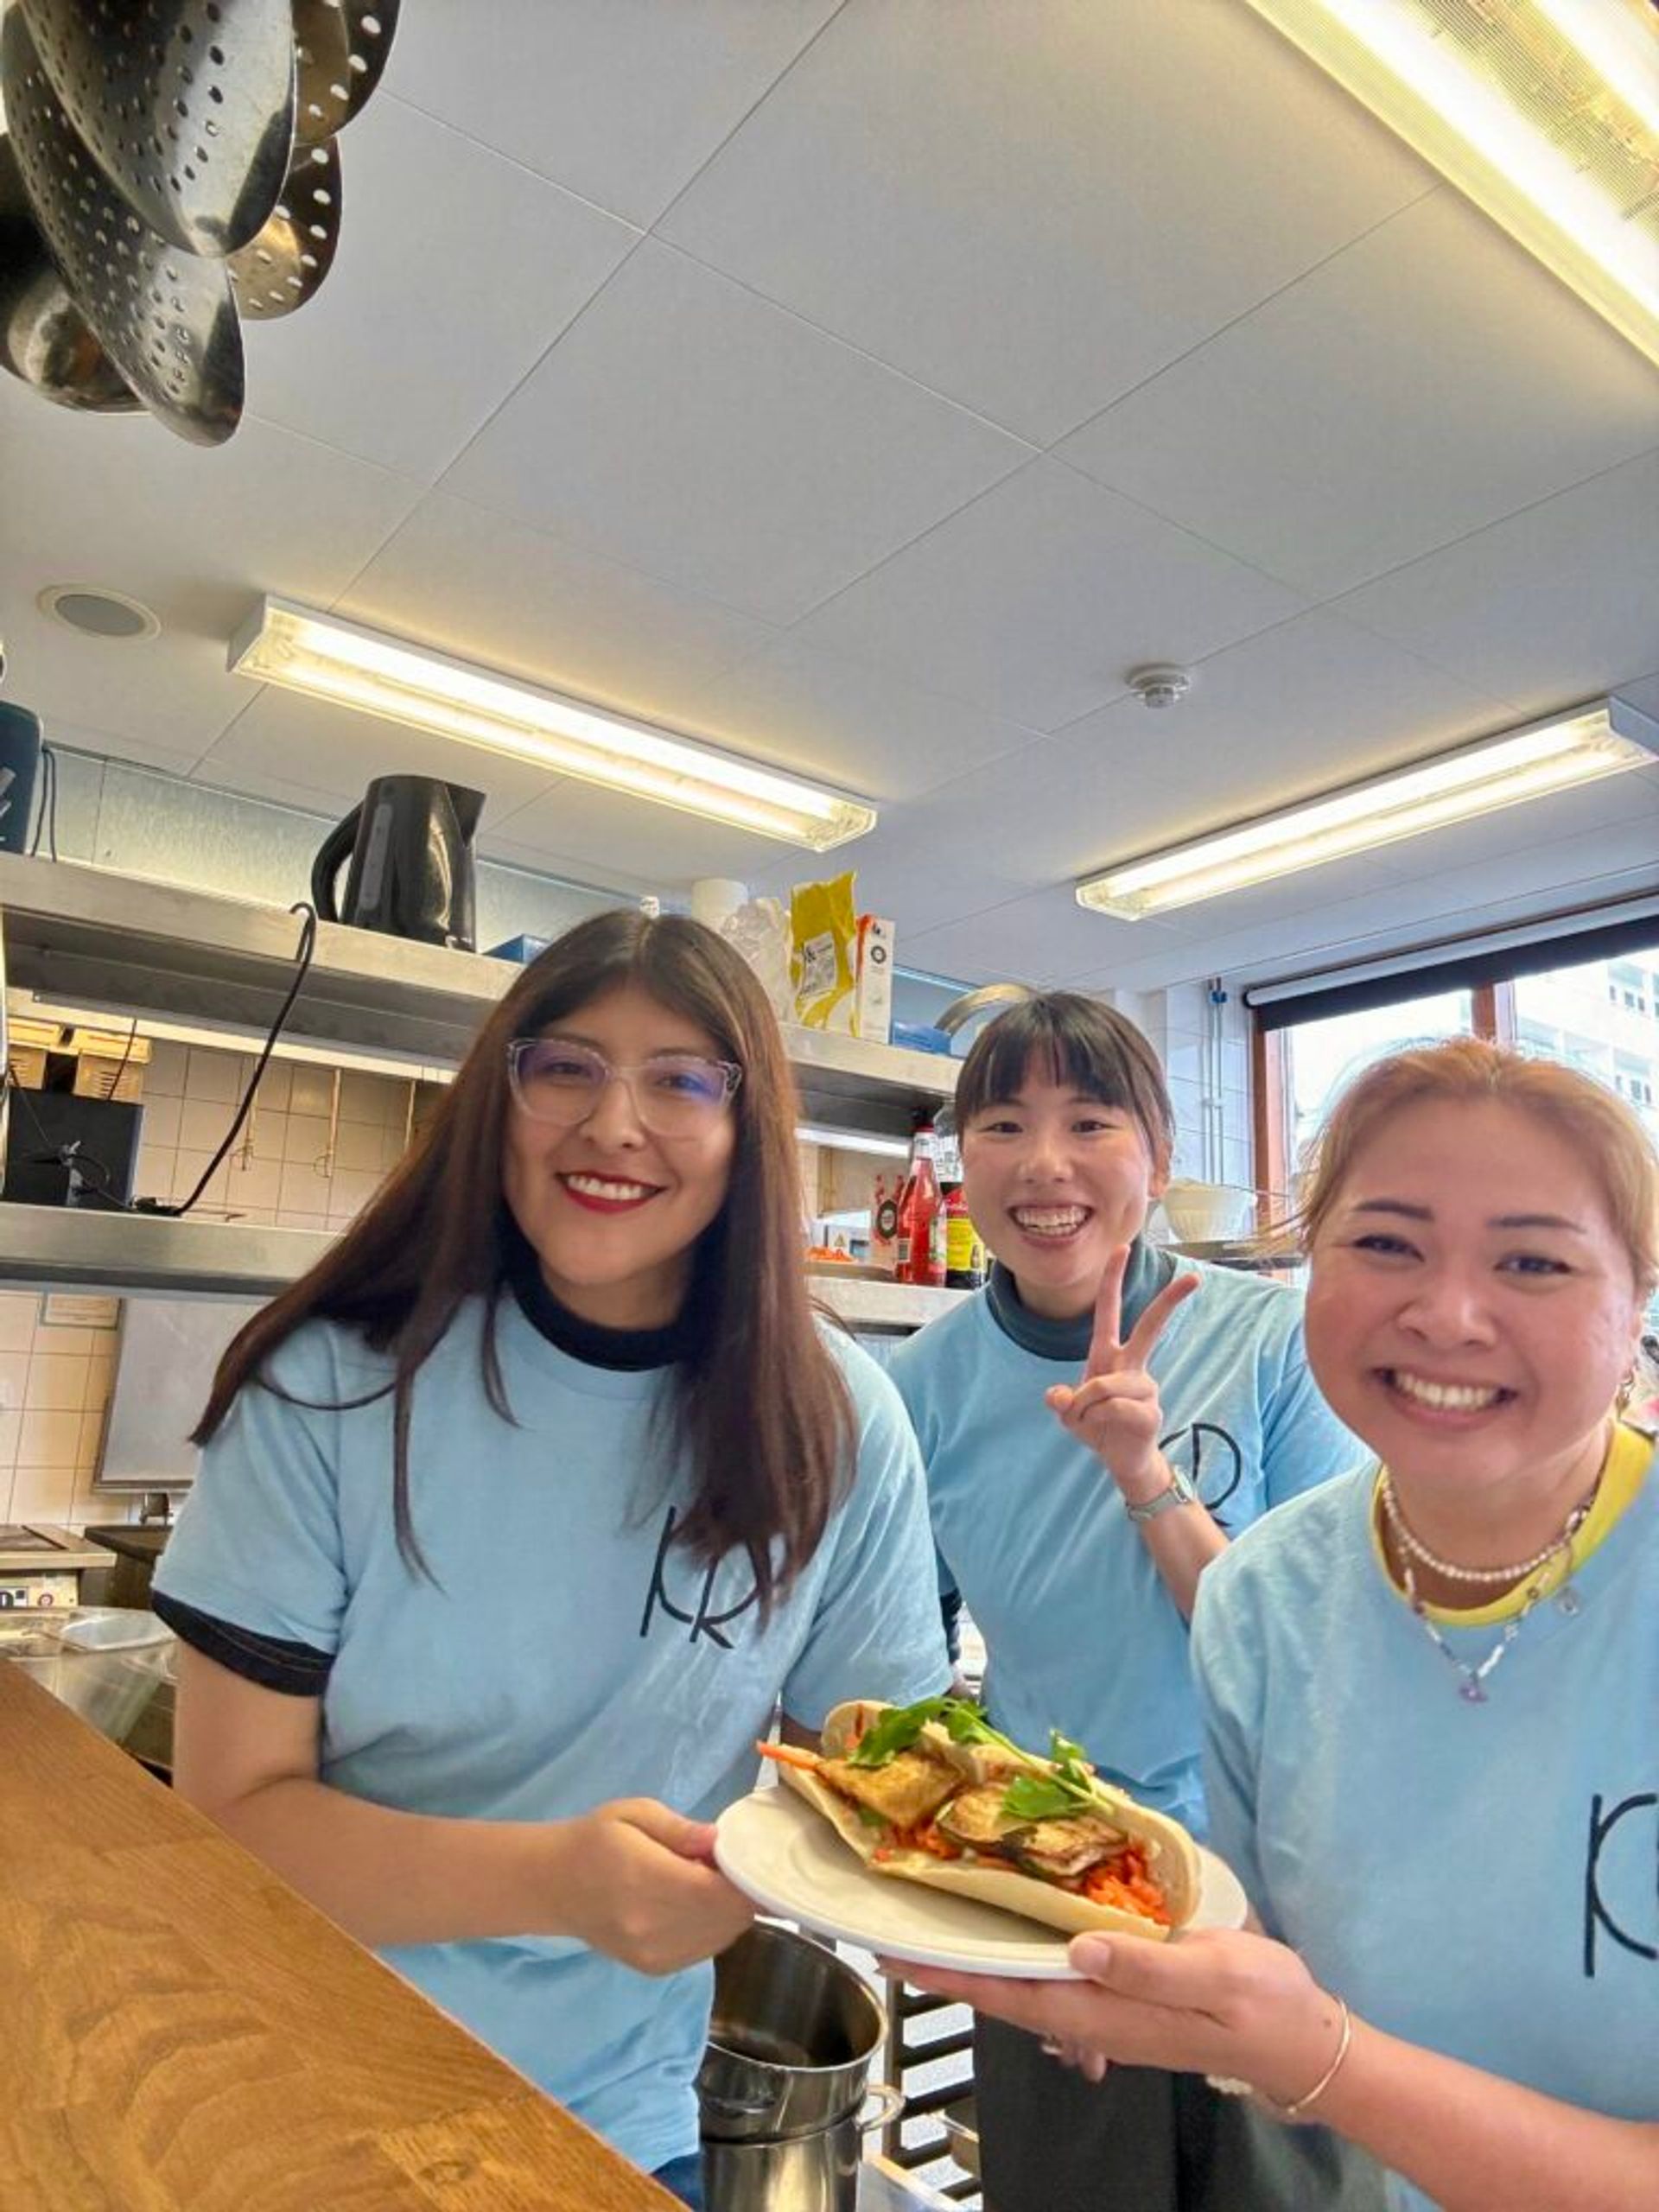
(873, 997)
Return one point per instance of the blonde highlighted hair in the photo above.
(1601, 1128)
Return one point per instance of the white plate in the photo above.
(776, 1850)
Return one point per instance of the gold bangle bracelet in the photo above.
(1294, 2110)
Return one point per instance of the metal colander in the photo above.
(342, 47)
(165, 317)
(186, 105)
(44, 338)
(291, 256)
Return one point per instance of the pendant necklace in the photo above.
(1471, 1683)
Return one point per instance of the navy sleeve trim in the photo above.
(294, 1669)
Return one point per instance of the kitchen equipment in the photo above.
(63, 1149)
(342, 47)
(102, 1662)
(166, 318)
(279, 270)
(44, 337)
(20, 762)
(786, 2075)
(411, 874)
(40, 1568)
(135, 1549)
(186, 105)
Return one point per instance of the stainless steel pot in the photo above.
(808, 2173)
(793, 2031)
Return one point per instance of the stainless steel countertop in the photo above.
(885, 2187)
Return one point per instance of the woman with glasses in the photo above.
(519, 1515)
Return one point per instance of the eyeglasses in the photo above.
(674, 1093)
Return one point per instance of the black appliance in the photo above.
(63, 1150)
(410, 843)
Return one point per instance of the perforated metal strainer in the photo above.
(294, 252)
(342, 47)
(44, 338)
(186, 105)
(165, 317)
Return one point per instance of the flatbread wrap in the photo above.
(931, 1793)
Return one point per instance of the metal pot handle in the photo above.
(889, 2103)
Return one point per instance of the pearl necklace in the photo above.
(1471, 1686)
(1413, 1544)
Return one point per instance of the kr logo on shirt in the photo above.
(1210, 1460)
(702, 1620)
(1621, 1879)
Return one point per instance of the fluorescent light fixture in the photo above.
(852, 1141)
(1576, 747)
(1545, 112)
(316, 653)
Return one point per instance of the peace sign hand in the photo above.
(1115, 1409)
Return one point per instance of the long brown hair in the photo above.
(758, 1407)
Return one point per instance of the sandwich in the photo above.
(932, 1793)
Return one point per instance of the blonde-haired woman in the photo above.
(1431, 1690)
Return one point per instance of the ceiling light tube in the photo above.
(1575, 748)
(341, 661)
(1544, 113)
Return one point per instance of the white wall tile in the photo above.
(274, 1087)
(14, 1380)
(369, 1097)
(164, 1078)
(302, 1190)
(17, 1313)
(203, 1124)
(212, 1075)
(43, 1493)
(161, 1123)
(311, 1090)
(49, 1439)
(258, 1183)
(56, 1382)
(360, 1146)
(306, 1138)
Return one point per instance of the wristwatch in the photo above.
(1178, 1490)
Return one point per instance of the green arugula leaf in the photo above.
(1067, 1790)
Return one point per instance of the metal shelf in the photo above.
(85, 935)
(83, 1248)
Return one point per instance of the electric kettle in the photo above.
(411, 874)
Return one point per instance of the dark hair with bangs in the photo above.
(1065, 1038)
(758, 1405)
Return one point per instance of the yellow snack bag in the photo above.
(823, 931)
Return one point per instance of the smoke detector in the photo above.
(1159, 685)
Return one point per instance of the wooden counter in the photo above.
(181, 2032)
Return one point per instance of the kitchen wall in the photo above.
(314, 1149)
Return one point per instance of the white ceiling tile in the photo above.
(335, 751)
(686, 427)
(1425, 381)
(1306, 707)
(622, 101)
(1036, 601)
(472, 280)
(466, 582)
(1548, 824)
(1020, 205)
(194, 535)
(1551, 605)
(1042, 938)
(105, 745)
(824, 715)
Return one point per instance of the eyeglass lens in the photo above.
(673, 1094)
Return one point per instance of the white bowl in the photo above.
(1208, 1213)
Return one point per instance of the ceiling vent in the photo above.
(96, 612)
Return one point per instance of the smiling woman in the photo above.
(1462, 1857)
(519, 1516)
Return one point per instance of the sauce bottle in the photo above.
(964, 1249)
(921, 1215)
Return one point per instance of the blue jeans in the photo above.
(684, 2177)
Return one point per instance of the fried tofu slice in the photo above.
(909, 1789)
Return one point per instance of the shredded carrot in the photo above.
(925, 1836)
(789, 1755)
(1123, 1881)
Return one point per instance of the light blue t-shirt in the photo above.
(1476, 1878)
(1080, 1630)
(568, 1653)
